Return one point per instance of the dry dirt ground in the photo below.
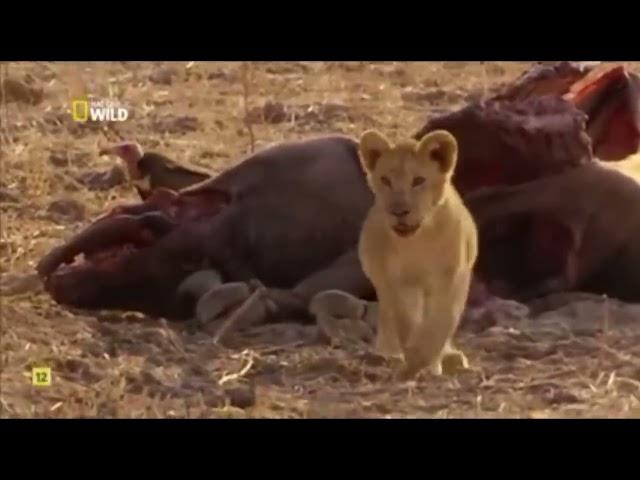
(568, 356)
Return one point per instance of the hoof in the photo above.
(339, 317)
(199, 283)
(336, 303)
(345, 331)
(218, 301)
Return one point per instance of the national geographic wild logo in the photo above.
(85, 109)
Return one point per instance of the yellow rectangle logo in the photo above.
(80, 110)
(41, 376)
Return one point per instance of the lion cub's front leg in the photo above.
(431, 343)
(400, 312)
(388, 335)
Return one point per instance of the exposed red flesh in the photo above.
(620, 135)
(614, 126)
(121, 226)
(99, 243)
(600, 77)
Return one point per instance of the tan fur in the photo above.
(417, 246)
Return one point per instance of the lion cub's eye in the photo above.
(385, 181)
(417, 181)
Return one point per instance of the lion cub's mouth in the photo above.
(405, 230)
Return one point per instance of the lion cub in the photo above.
(418, 246)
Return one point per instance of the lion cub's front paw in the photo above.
(454, 362)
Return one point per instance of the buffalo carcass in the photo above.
(285, 221)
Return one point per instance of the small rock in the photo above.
(274, 112)
(556, 397)
(58, 160)
(67, 209)
(73, 365)
(163, 76)
(8, 196)
(270, 112)
(220, 74)
(241, 396)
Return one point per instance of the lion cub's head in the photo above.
(409, 179)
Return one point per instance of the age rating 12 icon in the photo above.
(41, 376)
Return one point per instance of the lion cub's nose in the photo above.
(399, 212)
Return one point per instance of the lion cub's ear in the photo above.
(372, 145)
(441, 147)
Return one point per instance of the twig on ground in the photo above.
(227, 377)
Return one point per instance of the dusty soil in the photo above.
(570, 356)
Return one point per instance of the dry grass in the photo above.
(123, 365)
